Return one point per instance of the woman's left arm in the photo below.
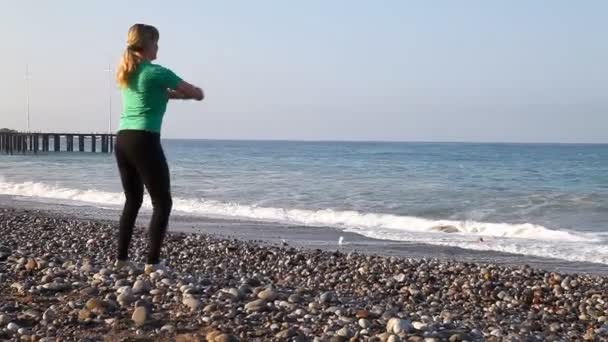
(176, 95)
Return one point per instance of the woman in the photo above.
(146, 89)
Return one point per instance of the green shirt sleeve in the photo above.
(167, 78)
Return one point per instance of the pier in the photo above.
(25, 142)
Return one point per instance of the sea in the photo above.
(530, 200)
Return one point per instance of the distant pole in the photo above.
(27, 97)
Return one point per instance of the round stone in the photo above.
(140, 315)
(49, 315)
(191, 302)
(345, 332)
(364, 323)
(268, 294)
(397, 325)
(256, 305)
(168, 328)
(327, 297)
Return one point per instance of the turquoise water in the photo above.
(544, 200)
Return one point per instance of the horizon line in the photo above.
(389, 141)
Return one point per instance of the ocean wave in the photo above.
(525, 238)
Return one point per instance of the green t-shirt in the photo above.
(145, 98)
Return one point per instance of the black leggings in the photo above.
(141, 161)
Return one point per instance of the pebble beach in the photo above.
(58, 283)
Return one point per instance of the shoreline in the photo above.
(310, 237)
(57, 282)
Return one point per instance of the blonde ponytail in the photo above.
(139, 37)
(128, 64)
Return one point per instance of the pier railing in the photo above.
(25, 142)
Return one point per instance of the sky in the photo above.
(429, 70)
